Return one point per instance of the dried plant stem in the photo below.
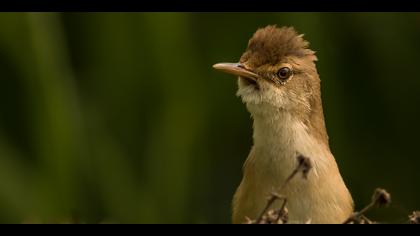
(357, 215)
(367, 220)
(282, 209)
(304, 165)
(273, 197)
(380, 198)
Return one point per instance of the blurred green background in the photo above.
(119, 117)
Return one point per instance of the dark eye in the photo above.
(284, 73)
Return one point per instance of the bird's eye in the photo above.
(284, 73)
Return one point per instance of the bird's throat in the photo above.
(279, 139)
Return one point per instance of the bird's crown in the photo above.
(270, 44)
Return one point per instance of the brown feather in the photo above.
(269, 44)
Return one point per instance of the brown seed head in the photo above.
(381, 197)
(414, 218)
(304, 165)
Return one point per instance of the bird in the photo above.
(279, 84)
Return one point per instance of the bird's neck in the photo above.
(270, 130)
(277, 141)
(282, 136)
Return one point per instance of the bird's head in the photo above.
(276, 72)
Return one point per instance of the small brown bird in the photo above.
(279, 83)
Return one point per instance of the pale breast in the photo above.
(322, 198)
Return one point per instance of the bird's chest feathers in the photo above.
(277, 143)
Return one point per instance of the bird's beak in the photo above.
(236, 69)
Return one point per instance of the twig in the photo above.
(380, 198)
(357, 215)
(367, 220)
(304, 165)
(282, 212)
(271, 200)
